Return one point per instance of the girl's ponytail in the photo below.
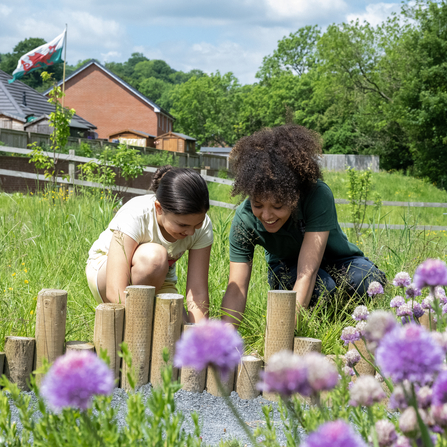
(180, 190)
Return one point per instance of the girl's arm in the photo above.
(197, 297)
(309, 261)
(235, 298)
(119, 262)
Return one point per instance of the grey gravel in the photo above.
(216, 420)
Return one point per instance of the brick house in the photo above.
(103, 98)
(23, 108)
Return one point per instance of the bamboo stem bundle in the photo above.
(168, 319)
(138, 332)
(281, 305)
(51, 314)
(19, 353)
(280, 326)
(303, 345)
(247, 377)
(192, 380)
(79, 346)
(211, 383)
(108, 332)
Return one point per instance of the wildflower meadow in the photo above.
(398, 330)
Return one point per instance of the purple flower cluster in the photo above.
(334, 434)
(350, 335)
(431, 273)
(360, 313)
(288, 374)
(440, 389)
(378, 325)
(74, 378)
(402, 279)
(386, 433)
(352, 357)
(397, 301)
(374, 288)
(366, 391)
(211, 342)
(411, 353)
(412, 291)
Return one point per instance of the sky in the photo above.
(210, 35)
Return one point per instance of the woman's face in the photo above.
(273, 215)
(178, 226)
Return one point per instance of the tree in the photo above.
(155, 68)
(154, 88)
(206, 108)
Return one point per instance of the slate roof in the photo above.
(156, 108)
(181, 135)
(18, 100)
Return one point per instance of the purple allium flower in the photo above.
(211, 342)
(441, 339)
(285, 374)
(440, 389)
(444, 309)
(440, 295)
(334, 434)
(379, 323)
(424, 396)
(360, 326)
(409, 352)
(402, 279)
(439, 413)
(417, 308)
(352, 357)
(379, 378)
(321, 374)
(348, 371)
(350, 335)
(427, 303)
(366, 391)
(74, 378)
(397, 301)
(375, 288)
(405, 310)
(386, 433)
(360, 313)
(432, 272)
(398, 399)
(408, 422)
(412, 291)
(402, 441)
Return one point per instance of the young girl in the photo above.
(291, 213)
(149, 234)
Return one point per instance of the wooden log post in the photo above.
(168, 319)
(108, 333)
(247, 377)
(280, 325)
(362, 367)
(303, 345)
(428, 320)
(138, 322)
(211, 383)
(19, 359)
(51, 315)
(79, 346)
(2, 362)
(192, 380)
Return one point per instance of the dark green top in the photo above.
(315, 212)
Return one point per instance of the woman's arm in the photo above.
(119, 262)
(309, 261)
(197, 297)
(235, 297)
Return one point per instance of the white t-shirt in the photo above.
(138, 219)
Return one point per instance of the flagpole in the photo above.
(65, 60)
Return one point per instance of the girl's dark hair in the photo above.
(279, 162)
(180, 190)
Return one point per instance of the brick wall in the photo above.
(110, 106)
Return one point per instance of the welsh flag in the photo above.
(43, 56)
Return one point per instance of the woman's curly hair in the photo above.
(278, 162)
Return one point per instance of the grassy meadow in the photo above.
(44, 241)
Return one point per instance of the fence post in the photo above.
(203, 173)
(71, 171)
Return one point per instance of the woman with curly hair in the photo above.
(291, 213)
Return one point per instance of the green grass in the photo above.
(44, 241)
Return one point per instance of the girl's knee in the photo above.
(150, 257)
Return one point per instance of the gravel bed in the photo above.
(216, 419)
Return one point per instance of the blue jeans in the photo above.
(353, 274)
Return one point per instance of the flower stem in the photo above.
(228, 401)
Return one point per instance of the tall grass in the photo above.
(44, 241)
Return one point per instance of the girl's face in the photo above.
(177, 226)
(273, 215)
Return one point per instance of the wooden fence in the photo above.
(73, 181)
